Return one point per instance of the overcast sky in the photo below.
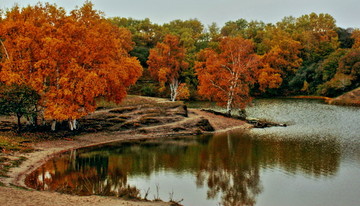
(345, 12)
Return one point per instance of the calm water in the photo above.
(314, 161)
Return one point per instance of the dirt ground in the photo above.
(13, 196)
(45, 150)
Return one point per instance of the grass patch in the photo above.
(11, 148)
(10, 142)
(6, 164)
(102, 103)
(130, 100)
(135, 101)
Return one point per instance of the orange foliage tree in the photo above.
(166, 61)
(68, 59)
(281, 57)
(183, 92)
(225, 76)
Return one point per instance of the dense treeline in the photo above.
(67, 60)
(304, 55)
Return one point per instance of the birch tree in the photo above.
(166, 61)
(226, 74)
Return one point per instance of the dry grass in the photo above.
(134, 100)
(130, 100)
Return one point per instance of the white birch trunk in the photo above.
(53, 125)
(174, 85)
(228, 107)
(230, 100)
(72, 124)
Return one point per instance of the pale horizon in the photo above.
(346, 12)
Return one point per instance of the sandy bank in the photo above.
(351, 98)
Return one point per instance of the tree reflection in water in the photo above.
(228, 168)
(228, 165)
(84, 174)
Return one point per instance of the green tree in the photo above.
(145, 35)
(19, 101)
(235, 28)
(345, 37)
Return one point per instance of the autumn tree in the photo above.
(226, 75)
(166, 61)
(281, 57)
(183, 92)
(318, 36)
(69, 59)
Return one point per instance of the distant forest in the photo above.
(307, 55)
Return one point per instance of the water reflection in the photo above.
(227, 165)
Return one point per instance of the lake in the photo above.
(313, 161)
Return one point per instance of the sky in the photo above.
(345, 12)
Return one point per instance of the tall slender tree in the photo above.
(227, 75)
(166, 61)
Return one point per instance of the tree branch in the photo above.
(217, 86)
(6, 52)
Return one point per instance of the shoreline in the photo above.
(45, 150)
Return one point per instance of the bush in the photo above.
(19, 101)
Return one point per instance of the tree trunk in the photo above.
(230, 99)
(173, 89)
(53, 125)
(72, 124)
(228, 109)
(6, 52)
(75, 124)
(19, 121)
(35, 117)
